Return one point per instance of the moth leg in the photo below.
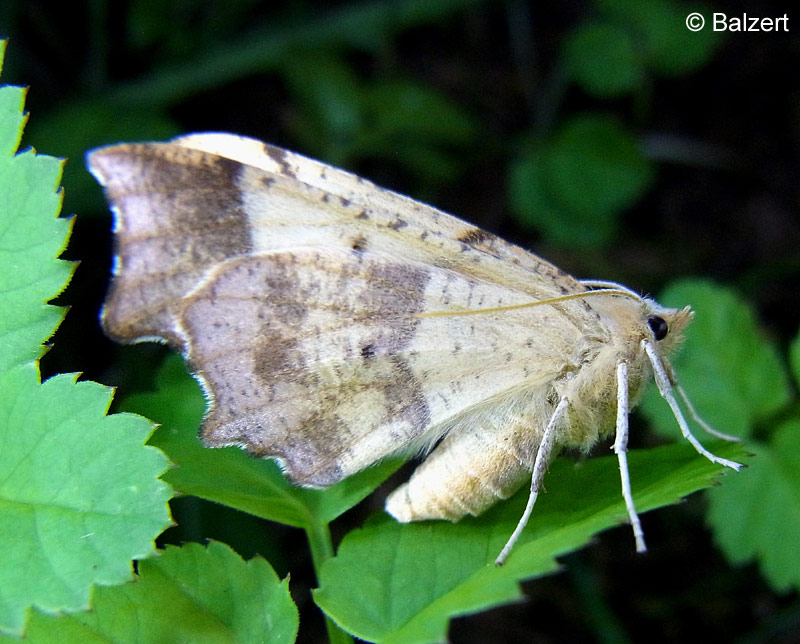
(665, 389)
(696, 418)
(621, 450)
(539, 468)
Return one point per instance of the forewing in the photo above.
(324, 362)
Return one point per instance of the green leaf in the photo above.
(362, 26)
(403, 108)
(531, 199)
(203, 595)
(574, 186)
(330, 101)
(756, 514)
(730, 371)
(412, 578)
(596, 167)
(343, 117)
(230, 475)
(31, 237)
(418, 128)
(603, 60)
(794, 360)
(79, 495)
(736, 381)
(659, 26)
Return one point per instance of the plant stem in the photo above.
(319, 540)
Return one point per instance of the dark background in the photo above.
(446, 100)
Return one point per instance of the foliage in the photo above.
(588, 172)
(356, 85)
(574, 183)
(742, 388)
(79, 496)
(188, 594)
(414, 577)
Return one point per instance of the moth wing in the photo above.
(323, 361)
(295, 290)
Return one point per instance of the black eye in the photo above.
(658, 326)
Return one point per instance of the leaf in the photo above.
(596, 167)
(794, 359)
(731, 372)
(404, 108)
(190, 594)
(363, 26)
(531, 199)
(31, 236)
(417, 127)
(230, 475)
(756, 515)
(412, 578)
(79, 495)
(603, 59)
(579, 181)
(342, 117)
(329, 98)
(737, 381)
(659, 27)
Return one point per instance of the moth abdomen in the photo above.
(452, 483)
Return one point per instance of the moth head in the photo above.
(666, 326)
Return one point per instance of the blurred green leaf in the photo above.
(794, 359)
(659, 28)
(736, 380)
(364, 26)
(152, 25)
(730, 371)
(418, 127)
(404, 108)
(341, 117)
(330, 114)
(603, 60)
(756, 514)
(596, 168)
(531, 198)
(588, 173)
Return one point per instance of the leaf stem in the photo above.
(319, 540)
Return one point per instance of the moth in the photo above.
(332, 323)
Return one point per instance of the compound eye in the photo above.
(658, 326)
